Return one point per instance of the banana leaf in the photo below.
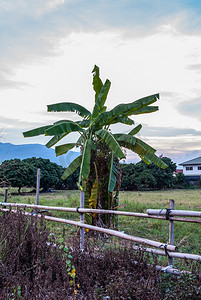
(146, 146)
(36, 131)
(130, 108)
(154, 159)
(112, 174)
(94, 192)
(146, 110)
(134, 144)
(83, 123)
(69, 106)
(97, 83)
(94, 195)
(62, 149)
(109, 139)
(65, 127)
(86, 157)
(55, 140)
(99, 105)
(130, 142)
(121, 119)
(135, 130)
(72, 167)
(145, 151)
(126, 110)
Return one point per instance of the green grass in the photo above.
(187, 235)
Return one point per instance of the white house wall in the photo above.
(194, 172)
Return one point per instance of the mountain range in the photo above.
(10, 151)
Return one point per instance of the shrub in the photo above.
(31, 267)
(34, 267)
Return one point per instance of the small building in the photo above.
(192, 169)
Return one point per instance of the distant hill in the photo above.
(11, 151)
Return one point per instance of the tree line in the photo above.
(22, 173)
(142, 176)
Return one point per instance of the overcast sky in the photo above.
(48, 49)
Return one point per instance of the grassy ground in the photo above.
(187, 235)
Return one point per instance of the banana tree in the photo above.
(100, 149)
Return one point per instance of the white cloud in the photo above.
(50, 47)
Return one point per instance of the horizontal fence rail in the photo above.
(170, 214)
(102, 211)
(183, 213)
(171, 254)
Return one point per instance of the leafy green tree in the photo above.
(164, 178)
(180, 180)
(128, 176)
(17, 173)
(23, 173)
(145, 180)
(142, 176)
(101, 150)
(50, 173)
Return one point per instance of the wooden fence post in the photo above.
(171, 232)
(6, 195)
(37, 186)
(82, 220)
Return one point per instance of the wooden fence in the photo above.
(168, 214)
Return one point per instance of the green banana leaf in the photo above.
(97, 83)
(146, 146)
(112, 174)
(130, 142)
(126, 110)
(129, 108)
(109, 139)
(154, 159)
(55, 140)
(121, 119)
(146, 160)
(83, 123)
(145, 151)
(70, 106)
(62, 149)
(134, 144)
(86, 157)
(36, 131)
(65, 127)
(72, 167)
(99, 104)
(135, 130)
(146, 110)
